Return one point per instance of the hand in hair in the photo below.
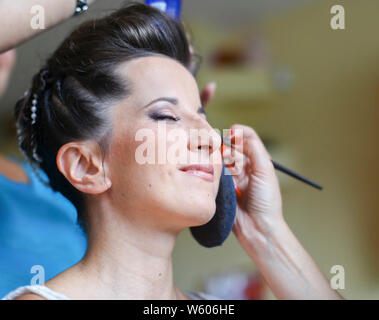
(15, 26)
(14, 30)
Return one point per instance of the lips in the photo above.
(203, 171)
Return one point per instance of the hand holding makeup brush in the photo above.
(260, 227)
(257, 186)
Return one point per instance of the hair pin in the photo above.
(34, 109)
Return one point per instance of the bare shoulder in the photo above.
(30, 296)
(12, 170)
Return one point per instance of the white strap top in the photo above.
(49, 294)
(40, 290)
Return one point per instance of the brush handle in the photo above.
(295, 175)
(283, 169)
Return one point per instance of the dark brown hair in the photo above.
(73, 92)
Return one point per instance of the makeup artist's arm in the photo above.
(8, 168)
(15, 25)
(263, 233)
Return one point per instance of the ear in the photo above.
(81, 163)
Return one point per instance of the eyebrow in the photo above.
(171, 100)
(174, 101)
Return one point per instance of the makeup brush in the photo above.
(281, 168)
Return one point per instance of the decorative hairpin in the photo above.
(34, 117)
(35, 155)
(34, 109)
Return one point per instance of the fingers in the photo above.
(207, 93)
(247, 141)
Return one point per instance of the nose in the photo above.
(203, 137)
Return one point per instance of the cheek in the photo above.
(138, 179)
(122, 157)
(156, 186)
(122, 163)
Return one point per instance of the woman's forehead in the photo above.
(153, 76)
(153, 69)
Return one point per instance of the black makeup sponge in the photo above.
(215, 232)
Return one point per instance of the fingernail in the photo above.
(222, 148)
(238, 192)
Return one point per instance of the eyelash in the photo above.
(158, 116)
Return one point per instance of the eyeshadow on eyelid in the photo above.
(164, 105)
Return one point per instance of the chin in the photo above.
(201, 214)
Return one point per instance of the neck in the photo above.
(128, 260)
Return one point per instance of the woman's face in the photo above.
(150, 167)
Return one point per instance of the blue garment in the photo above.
(37, 227)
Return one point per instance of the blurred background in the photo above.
(311, 93)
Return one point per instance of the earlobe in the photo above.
(82, 167)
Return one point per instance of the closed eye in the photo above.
(160, 116)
